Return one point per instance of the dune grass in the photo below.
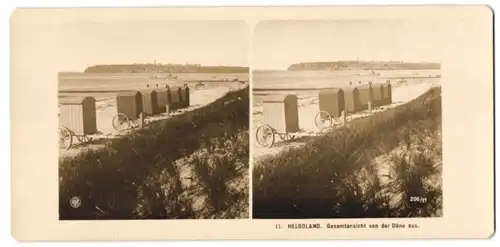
(385, 165)
(167, 170)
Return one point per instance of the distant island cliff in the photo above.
(164, 68)
(363, 65)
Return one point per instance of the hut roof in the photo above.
(147, 90)
(128, 93)
(162, 89)
(277, 97)
(175, 87)
(378, 85)
(330, 90)
(74, 100)
(364, 86)
(349, 89)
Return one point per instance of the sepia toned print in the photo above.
(153, 120)
(347, 119)
(367, 123)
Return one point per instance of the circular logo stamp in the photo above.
(75, 202)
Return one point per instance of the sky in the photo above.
(85, 43)
(74, 43)
(277, 44)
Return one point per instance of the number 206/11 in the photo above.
(418, 199)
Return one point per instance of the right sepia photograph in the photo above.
(346, 119)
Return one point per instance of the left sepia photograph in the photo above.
(153, 119)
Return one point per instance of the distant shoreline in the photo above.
(326, 70)
(293, 89)
(363, 65)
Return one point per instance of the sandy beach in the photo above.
(309, 107)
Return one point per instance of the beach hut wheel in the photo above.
(65, 138)
(323, 119)
(121, 122)
(265, 136)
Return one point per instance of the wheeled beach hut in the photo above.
(129, 103)
(176, 98)
(149, 102)
(378, 94)
(331, 101)
(281, 113)
(365, 95)
(163, 98)
(78, 114)
(387, 93)
(351, 99)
